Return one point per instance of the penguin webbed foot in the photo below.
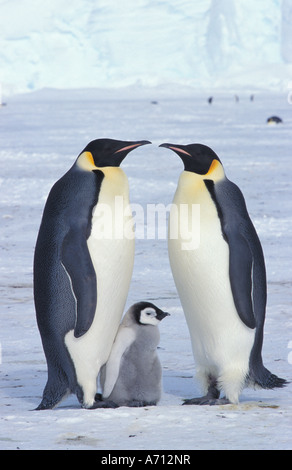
(211, 398)
(100, 403)
(140, 403)
(206, 400)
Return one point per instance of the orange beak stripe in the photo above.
(128, 147)
(176, 149)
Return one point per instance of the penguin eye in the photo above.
(148, 317)
(150, 312)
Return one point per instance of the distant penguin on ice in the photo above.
(221, 282)
(82, 269)
(274, 120)
(132, 374)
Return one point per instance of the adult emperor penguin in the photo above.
(132, 374)
(82, 269)
(221, 281)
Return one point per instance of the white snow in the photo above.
(203, 43)
(41, 135)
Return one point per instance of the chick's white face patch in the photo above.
(148, 316)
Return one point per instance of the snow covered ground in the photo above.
(41, 135)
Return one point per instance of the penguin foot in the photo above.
(206, 400)
(102, 404)
(138, 403)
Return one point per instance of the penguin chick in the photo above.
(132, 374)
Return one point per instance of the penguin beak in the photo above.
(176, 148)
(126, 147)
(133, 145)
(162, 315)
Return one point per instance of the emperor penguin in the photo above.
(221, 280)
(132, 374)
(83, 265)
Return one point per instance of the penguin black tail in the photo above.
(263, 378)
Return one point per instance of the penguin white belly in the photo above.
(111, 246)
(201, 276)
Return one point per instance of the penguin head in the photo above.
(197, 158)
(146, 313)
(106, 152)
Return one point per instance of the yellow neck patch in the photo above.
(191, 184)
(215, 171)
(114, 175)
(86, 162)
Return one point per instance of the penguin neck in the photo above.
(189, 185)
(115, 173)
(192, 185)
(115, 183)
(85, 162)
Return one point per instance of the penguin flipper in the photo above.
(78, 265)
(234, 225)
(240, 272)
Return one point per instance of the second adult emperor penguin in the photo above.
(221, 281)
(132, 374)
(82, 269)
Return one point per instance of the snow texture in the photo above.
(41, 135)
(203, 43)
